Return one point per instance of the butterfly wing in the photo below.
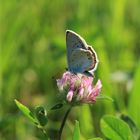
(94, 56)
(81, 60)
(73, 41)
(80, 56)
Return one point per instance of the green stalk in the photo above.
(63, 123)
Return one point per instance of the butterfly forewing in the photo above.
(73, 41)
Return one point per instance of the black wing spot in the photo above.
(81, 44)
(68, 32)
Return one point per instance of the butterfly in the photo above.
(81, 57)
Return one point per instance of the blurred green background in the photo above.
(33, 55)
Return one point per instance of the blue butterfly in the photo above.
(81, 57)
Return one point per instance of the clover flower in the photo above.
(79, 88)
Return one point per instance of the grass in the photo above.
(33, 51)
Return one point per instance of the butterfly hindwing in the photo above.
(94, 56)
(81, 60)
(73, 41)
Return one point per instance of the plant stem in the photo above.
(45, 134)
(63, 122)
(44, 131)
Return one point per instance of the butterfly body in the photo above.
(81, 57)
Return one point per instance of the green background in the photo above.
(33, 55)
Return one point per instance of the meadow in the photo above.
(33, 56)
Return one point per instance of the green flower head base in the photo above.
(79, 88)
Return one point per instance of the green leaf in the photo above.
(25, 111)
(115, 129)
(57, 106)
(76, 133)
(101, 97)
(41, 115)
(134, 99)
(132, 125)
(98, 138)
